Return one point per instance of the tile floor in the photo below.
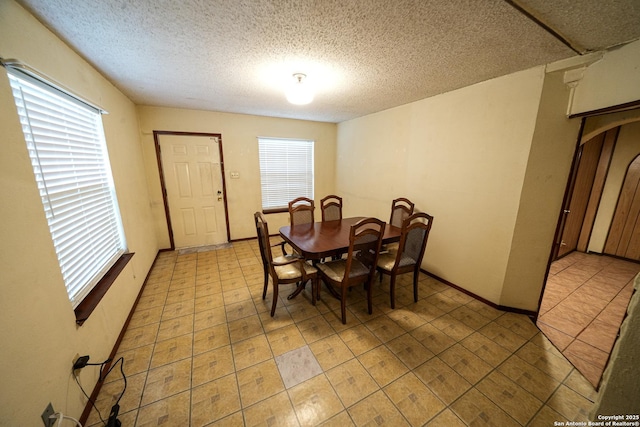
(584, 302)
(202, 350)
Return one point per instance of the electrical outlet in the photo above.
(48, 411)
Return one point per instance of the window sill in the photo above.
(275, 210)
(91, 301)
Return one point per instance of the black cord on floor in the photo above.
(101, 378)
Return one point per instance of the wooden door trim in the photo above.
(156, 141)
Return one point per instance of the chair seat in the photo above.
(386, 261)
(292, 271)
(334, 270)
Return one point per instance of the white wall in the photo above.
(461, 157)
(39, 336)
(240, 152)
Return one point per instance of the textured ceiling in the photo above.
(362, 56)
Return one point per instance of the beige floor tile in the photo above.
(452, 327)
(244, 328)
(359, 339)
(285, 339)
(409, 350)
(146, 317)
(172, 350)
(139, 336)
(166, 381)
(212, 365)
(529, 377)
(331, 352)
(484, 309)
(510, 397)
(559, 338)
(578, 383)
(208, 302)
(180, 295)
(475, 409)
(315, 329)
(443, 302)
(273, 411)
(384, 328)
(152, 300)
(175, 327)
(214, 400)
(251, 351)
(382, 365)
(173, 411)
(442, 380)
(502, 336)
(376, 410)
(485, 349)
(297, 366)
(432, 338)
(315, 401)
(178, 309)
(406, 319)
(416, 402)
(210, 338)
(113, 390)
(259, 382)
(427, 311)
(208, 318)
(570, 404)
(280, 319)
(236, 295)
(352, 382)
(137, 360)
(341, 420)
(469, 317)
(465, 363)
(546, 417)
(554, 366)
(240, 309)
(518, 324)
(446, 418)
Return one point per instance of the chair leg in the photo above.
(369, 297)
(415, 286)
(275, 299)
(343, 306)
(314, 290)
(266, 283)
(392, 290)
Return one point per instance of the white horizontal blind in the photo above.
(68, 153)
(286, 170)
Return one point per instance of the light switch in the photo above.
(235, 175)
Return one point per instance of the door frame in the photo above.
(156, 141)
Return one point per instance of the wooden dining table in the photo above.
(318, 240)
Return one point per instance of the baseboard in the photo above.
(529, 313)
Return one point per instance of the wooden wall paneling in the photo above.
(609, 142)
(615, 241)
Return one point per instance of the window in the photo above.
(68, 153)
(286, 171)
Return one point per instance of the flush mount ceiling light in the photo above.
(299, 92)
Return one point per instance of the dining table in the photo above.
(327, 239)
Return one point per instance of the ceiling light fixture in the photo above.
(299, 92)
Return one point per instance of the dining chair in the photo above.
(408, 258)
(331, 207)
(301, 211)
(401, 208)
(365, 238)
(283, 269)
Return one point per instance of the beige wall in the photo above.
(614, 80)
(460, 156)
(39, 336)
(240, 151)
(552, 150)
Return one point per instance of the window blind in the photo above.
(286, 170)
(68, 153)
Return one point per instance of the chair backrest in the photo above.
(331, 207)
(301, 211)
(262, 230)
(413, 239)
(401, 209)
(365, 240)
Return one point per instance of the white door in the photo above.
(193, 180)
